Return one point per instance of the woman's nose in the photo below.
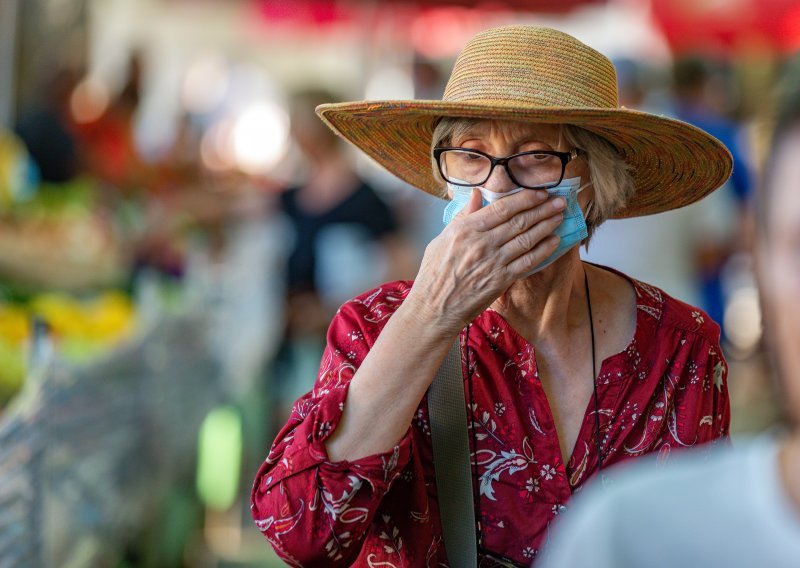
(499, 181)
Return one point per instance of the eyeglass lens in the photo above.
(529, 170)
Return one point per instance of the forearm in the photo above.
(389, 385)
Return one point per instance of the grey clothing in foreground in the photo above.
(724, 508)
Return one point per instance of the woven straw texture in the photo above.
(531, 74)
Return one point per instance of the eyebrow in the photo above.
(517, 138)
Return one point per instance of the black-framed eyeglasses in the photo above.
(538, 169)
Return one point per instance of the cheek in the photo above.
(585, 197)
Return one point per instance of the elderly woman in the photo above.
(567, 367)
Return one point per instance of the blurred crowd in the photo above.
(334, 212)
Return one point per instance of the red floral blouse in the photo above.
(666, 390)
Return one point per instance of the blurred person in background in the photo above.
(344, 236)
(656, 248)
(701, 92)
(49, 132)
(108, 141)
(733, 507)
(568, 367)
(683, 249)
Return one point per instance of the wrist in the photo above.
(431, 323)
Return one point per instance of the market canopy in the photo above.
(726, 26)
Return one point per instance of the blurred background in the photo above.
(173, 219)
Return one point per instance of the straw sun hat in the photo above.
(539, 75)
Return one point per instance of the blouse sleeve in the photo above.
(315, 512)
(701, 408)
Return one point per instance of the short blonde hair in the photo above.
(609, 173)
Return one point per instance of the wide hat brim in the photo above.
(673, 163)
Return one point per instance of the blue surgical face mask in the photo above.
(571, 231)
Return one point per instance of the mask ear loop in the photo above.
(588, 213)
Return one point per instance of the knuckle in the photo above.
(518, 223)
(457, 229)
(502, 209)
(525, 241)
(540, 252)
(480, 249)
(472, 257)
(482, 224)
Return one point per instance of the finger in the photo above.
(504, 209)
(525, 220)
(528, 261)
(529, 239)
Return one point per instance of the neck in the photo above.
(790, 466)
(548, 305)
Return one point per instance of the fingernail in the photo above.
(558, 203)
(541, 194)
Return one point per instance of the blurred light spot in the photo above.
(205, 84)
(390, 83)
(260, 137)
(219, 457)
(742, 320)
(216, 147)
(89, 100)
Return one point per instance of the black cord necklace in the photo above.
(500, 559)
(594, 374)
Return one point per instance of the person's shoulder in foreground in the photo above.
(724, 508)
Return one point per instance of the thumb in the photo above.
(475, 202)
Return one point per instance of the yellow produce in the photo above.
(15, 325)
(81, 330)
(63, 313)
(109, 318)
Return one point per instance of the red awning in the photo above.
(725, 26)
(322, 13)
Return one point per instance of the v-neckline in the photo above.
(587, 420)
